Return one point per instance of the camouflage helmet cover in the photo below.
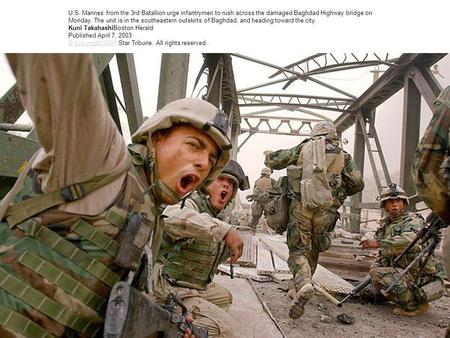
(198, 113)
(392, 192)
(324, 128)
(266, 171)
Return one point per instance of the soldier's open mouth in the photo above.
(187, 183)
(223, 196)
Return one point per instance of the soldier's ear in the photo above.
(156, 137)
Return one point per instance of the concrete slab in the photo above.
(247, 311)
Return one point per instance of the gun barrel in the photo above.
(427, 251)
(357, 289)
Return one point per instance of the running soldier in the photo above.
(321, 176)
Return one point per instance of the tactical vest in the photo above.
(191, 263)
(57, 268)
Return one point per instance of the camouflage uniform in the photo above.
(308, 229)
(191, 250)
(393, 237)
(428, 173)
(206, 300)
(61, 225)
(260, 196)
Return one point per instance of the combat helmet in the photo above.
(234, 171)
(266, 171)
(198, 113)
(324, 128)
(392, 192)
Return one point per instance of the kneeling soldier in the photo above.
(424, 282)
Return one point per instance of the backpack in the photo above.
(277, 208)
(314, 187)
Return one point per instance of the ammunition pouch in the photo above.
(135, 235)
(325, 238)
(324, 242)
(277, 208)
(294, 175)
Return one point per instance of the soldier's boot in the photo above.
(299, 300)
(421, 309)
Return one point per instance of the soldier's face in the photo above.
(395, 207)
(184, 157)
(220, 192)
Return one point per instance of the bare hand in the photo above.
(187, 332)
(234, 242)
(369, 244)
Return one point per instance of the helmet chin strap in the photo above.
(208, 203)
(160, 187)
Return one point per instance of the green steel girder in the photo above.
(10, 106)
(15, 150)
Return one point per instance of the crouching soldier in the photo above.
(193, 245)
(424, 282)
(79, 215)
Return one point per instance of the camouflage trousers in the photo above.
(257, 211)
(306, 232)
(405, 293)
(208, 307)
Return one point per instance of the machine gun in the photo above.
(131, 314)
(431, 230)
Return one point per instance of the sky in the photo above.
(388, 116)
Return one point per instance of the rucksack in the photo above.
(315, 190)
(277, 208)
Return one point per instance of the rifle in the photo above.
(131, 314)
(356, 290)
(431, 229)
(428, 251)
